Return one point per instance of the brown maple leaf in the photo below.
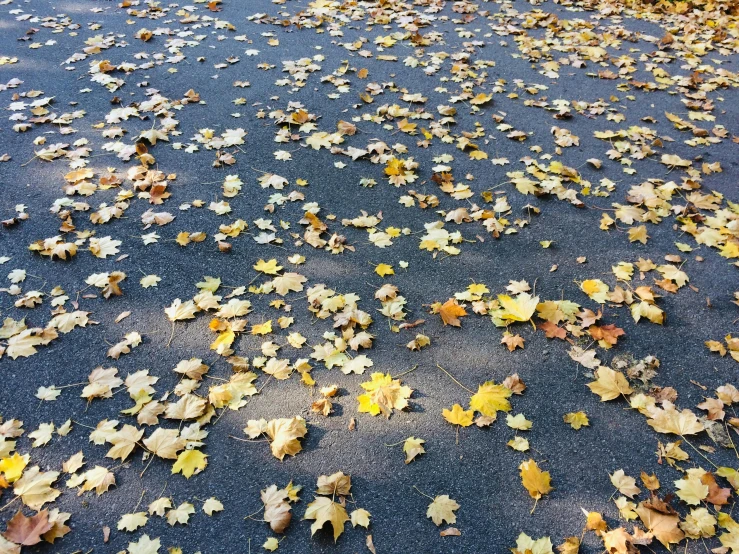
(717, 496)
(551, 331)
(607, 333)
(512, 341)
(27, 531)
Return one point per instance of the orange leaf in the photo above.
(450, 313)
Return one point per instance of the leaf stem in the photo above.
(423, 493)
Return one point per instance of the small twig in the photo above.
(698, 451)
(405, 372)
(453, 379)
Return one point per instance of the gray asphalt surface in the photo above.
(481, 472)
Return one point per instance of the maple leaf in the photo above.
(512, 341)
(552, 331)
(527, 545)
(520, 308)
(59, 528)
(442, 509)
(626, 485)
(144, 545)
(66, 322)
(27, 531)
(336, 483)
(384, 269)
(194, 368)
(270, 267)
(609, 384)
(324, 510)
(577, 420)
(518, 443)
(262, 328)
(24, 343)
(124, 441)
(450, 312)
(165, 443)
(650, 311)
(181, 514)
(663, 526)
(518, 422)
(34, 488)
(669, 420)
(12, 466)
(491, 398)
(458, 416)
(190, 462)
(699, 523)
(360, 517)
(189, 406)
(692, 490)
(276, 508)
(384, 394)
(179, 311)
(731, 539)
(98, 478)
(102, 382)
(285, 434)
(131, 522)
(212, 505)
(288, 282)
(413, 447)
(104, 247)
(607, 335)
(534, 480)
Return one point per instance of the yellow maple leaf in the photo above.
(384, 269)
(577, 420)
(384, 394)
(692, 490)
(596, 289)
(609, 384)
(481, 98)
(270, 267)
(458, 416)
(534, 480)
(12, 467)
(285, 433)
(520, 308)
(413, 447)
(442, 509)
(324, 510)
(165, 443)
(491, 398)
(288, 282)
(34, 488)
(669, 420)
(262, 328)
(190, 462)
